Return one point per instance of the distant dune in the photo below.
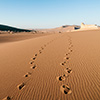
(65, 28)
(13, 29)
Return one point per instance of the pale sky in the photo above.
(49, 13)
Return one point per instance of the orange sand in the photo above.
(53, 67)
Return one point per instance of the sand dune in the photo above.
(62, 29)
(52, 67)
(4, 38)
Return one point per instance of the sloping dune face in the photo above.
(53, 67)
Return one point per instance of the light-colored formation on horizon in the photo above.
(84, 26)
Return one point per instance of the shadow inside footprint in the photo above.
(63, 63)
(33, 67)
(7, 98)
(63, 77)
(71, 46)
(68, 70)
(71, 50)
(44, 45)
(27, 74)
(40, 51)
(67, 54)
(31, 62)
(66, 58)
(34, 58)
(70, 43)
(21, 86)
(42, 48)
(65, 89)
(35, 54)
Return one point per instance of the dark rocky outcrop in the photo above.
(13, 29)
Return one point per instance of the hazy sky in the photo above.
(49, 13)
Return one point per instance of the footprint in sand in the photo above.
(7, 98)
(27, 74)
(67, 58)
(63, 63)
(68, 70)
(71, 45)
(31, 62)
(71, 50)
(21, 86)
(33, 67)
(42, 48)
(62, 78)
(34, 58)
(67, 54)
(65, 89)
(35, 55)
(40, 51)
(45, 45)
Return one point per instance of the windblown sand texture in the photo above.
(51, 67)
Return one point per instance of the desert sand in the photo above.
(62, 66)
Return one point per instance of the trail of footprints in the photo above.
(33, 67)
(67, 70)
(64, 88)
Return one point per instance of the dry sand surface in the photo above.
(53, 67)
(18, 37)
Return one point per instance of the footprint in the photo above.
(62, 78)
(31, 62)
(27, 74)
(71, 45)
(65, 75)
(68, 70)
(63, 63)
(40, 51)
(34, 58)
(65, 89)
(71, 50)
(7, 98)
(67, 54)
(21, 86)
(42, 48)
(45, 45)
(35, 55)
(33, 67)
(66, 58)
